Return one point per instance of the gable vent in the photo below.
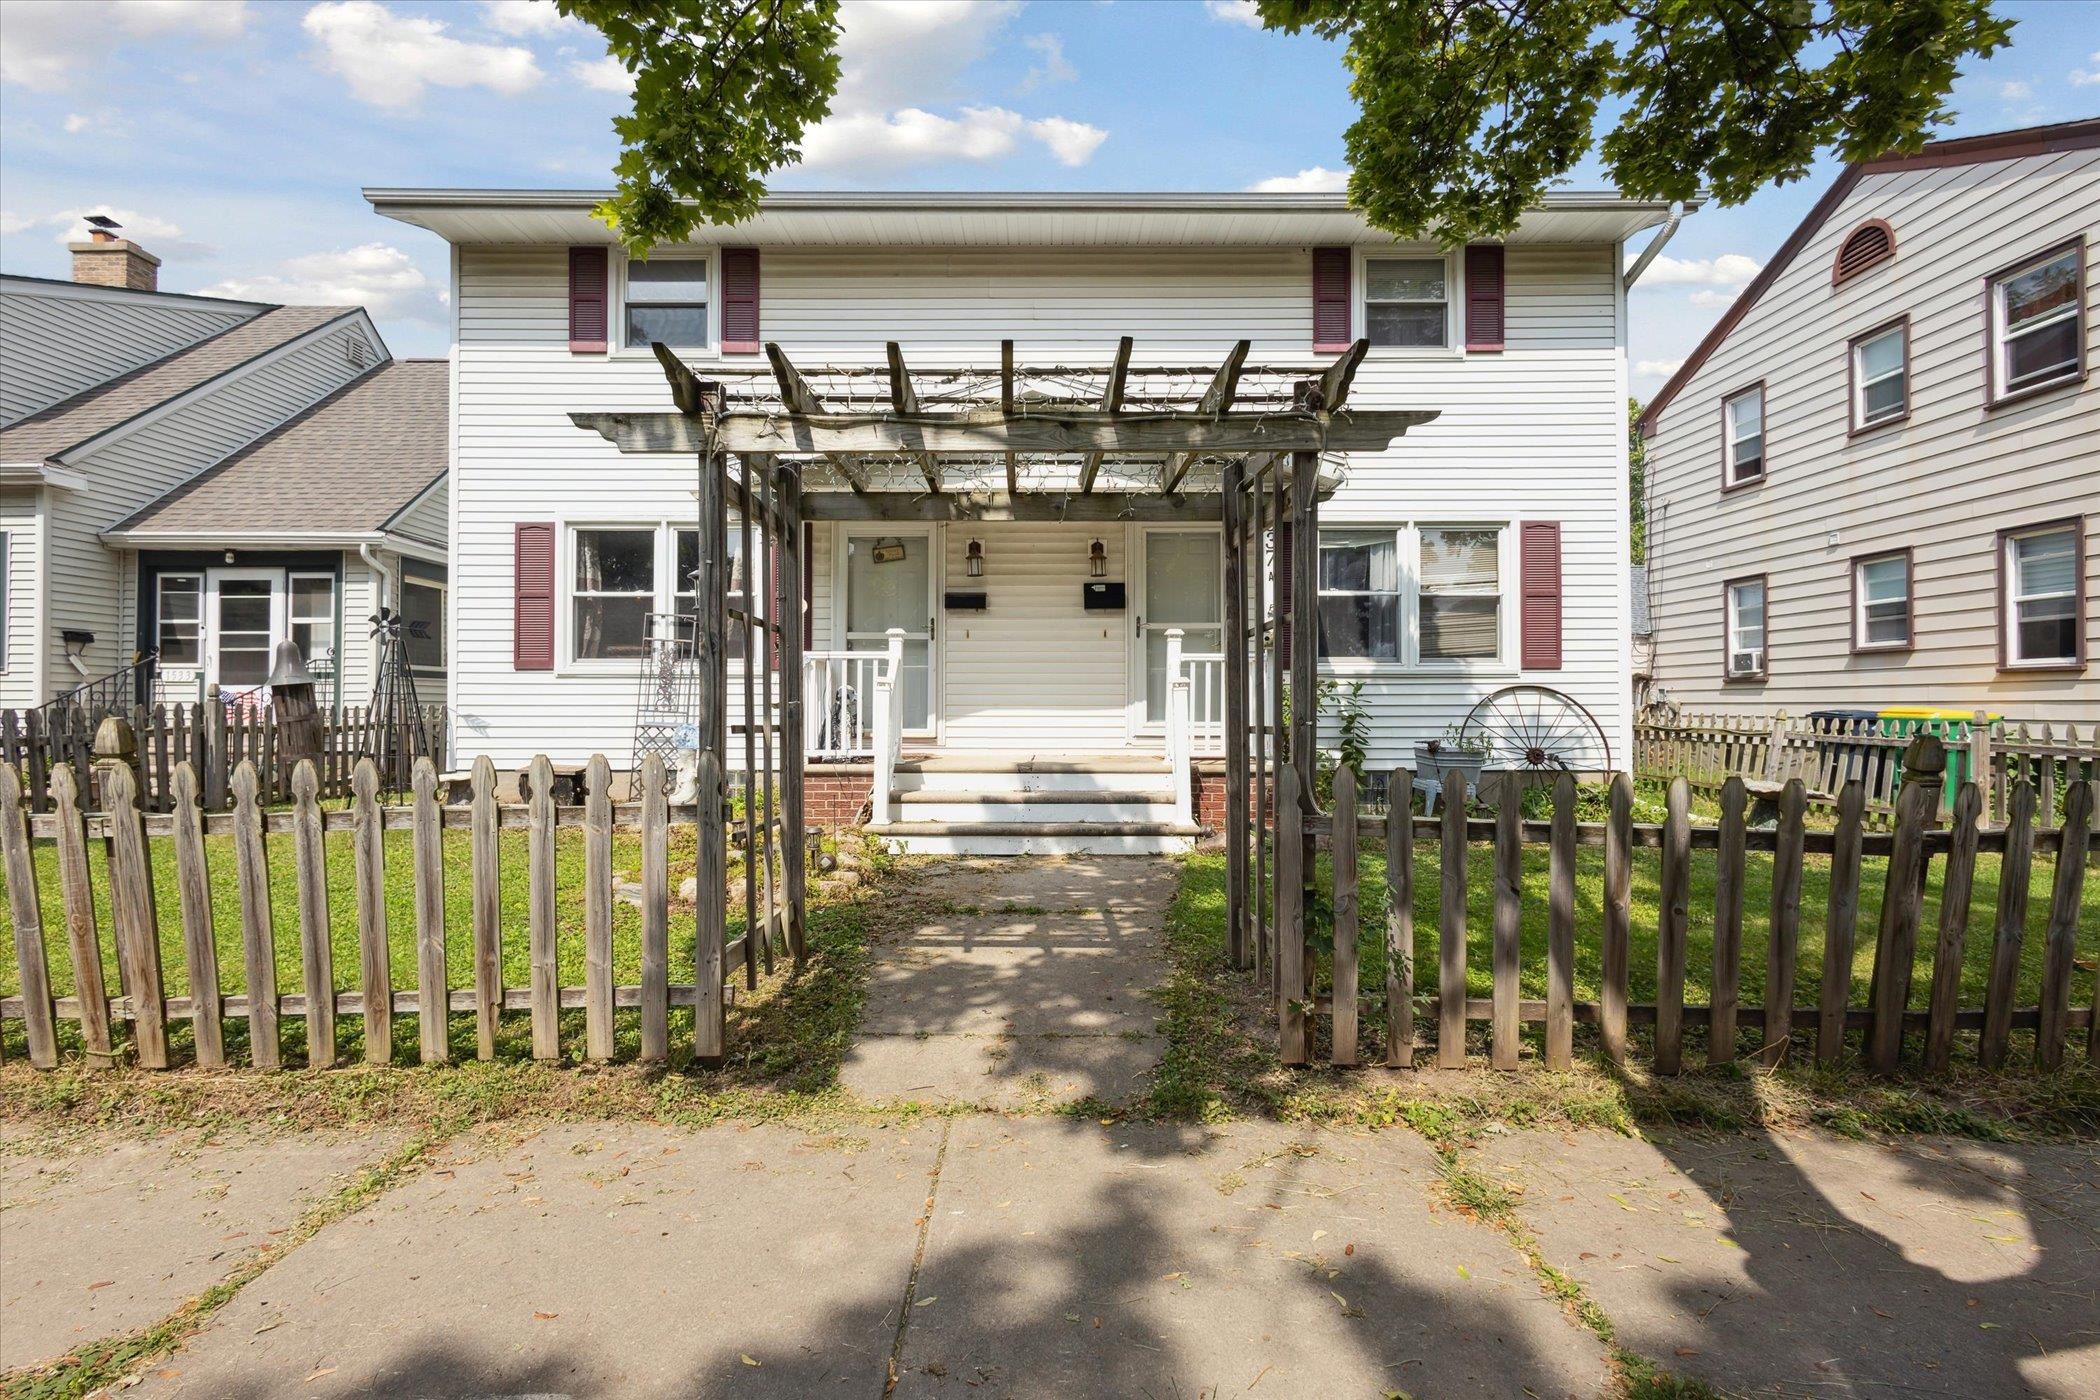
(1873, 242)
(354, 352)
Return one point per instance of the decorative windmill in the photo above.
(394, 734)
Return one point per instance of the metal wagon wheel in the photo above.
(1536, 729)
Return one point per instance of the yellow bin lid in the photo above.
(1928, 712)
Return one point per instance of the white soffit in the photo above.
(996, 220)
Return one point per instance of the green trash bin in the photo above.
(1950, 727)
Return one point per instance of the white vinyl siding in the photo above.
(1944, 486)
(1542, 423)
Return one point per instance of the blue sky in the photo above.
(232, 139)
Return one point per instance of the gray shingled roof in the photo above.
(349, 463)
(43, 436)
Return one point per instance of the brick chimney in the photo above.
(108, 260)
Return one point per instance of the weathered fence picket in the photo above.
(316, 950)
(433, 989)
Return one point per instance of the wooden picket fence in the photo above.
(214, 736)
(1708, 749)
(260, 835)
(1886, 1018)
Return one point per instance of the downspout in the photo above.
(1655, 245)
(385, 575)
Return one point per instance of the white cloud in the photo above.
(866, 139)
(895, 53)
(388, 59)
(1072, 143)
(1710, 299)
(520, 18)
(44, 43)
(12, 224)
(1314, 179)
(606, 74)
(77, 122)
(1657, 369)
(381, 278)
(1234, 12)
(1054, 67)
(2086, 77)
(2015, 91)
(1727, 270)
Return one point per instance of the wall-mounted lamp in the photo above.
(229, 556)
(973, 559)
(1097, 559)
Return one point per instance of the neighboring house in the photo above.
(1877, 480)
(186, 481)
(561, 544)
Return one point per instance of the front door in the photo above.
(888, 579)
(243, 612)
(1182, 577)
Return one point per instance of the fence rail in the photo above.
(297, 836)
(214, 736)
(1707, 749)
(1886, 1017)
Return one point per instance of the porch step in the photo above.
(1101, 838)
(1049, 797)
(995, 761)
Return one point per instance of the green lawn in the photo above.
(401, 929)
(1206, 889)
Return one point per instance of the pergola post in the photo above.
(1235, 713)
(1296, 959)
(1264, 956)
(710, 722)
(787, 502)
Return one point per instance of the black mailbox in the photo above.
(964, 602)
(1104, 597)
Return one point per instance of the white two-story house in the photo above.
(1486, 549)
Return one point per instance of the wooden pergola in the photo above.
(1255, 448)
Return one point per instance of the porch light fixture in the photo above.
(973, 559)
(1097, 559)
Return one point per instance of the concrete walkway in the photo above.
(1022, 984)
(987, 1256)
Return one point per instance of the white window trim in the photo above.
(1454, 307)
(2001, 338)
(1729, 438)
(1409, 538)
(2013, 598)
(665, 531)
(335, 597)
(1860, 383)
(160, 597)
(616, 329)
(1729, 626)
(1860, 641)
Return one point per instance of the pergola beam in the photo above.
(995, 507)
(906, 402)
(1217, 399)
(1332, 389)
(1111, 402)
(1006, 406)
(981, 432)
(801, 399)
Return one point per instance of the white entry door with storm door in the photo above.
(221, 626)
(1181, 583)
(888, 578)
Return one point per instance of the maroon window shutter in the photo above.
(740, 301)
(1540, 585)
(1330, 297)
(588, 299)
(532, 596)
(1484, 282)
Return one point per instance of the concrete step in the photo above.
(997, 761)
(1035, 838)
(1110, 807)
(966, 782)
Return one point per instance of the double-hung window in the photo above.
(2037, 323)
(1407, 302)
(742, 594)
(1743, 437)
(622, 574)
(2041, 595)
(1413, 594)
(667, 300)
(1746, 628)
(310, 615)
(1881, 611)
(1881, 376)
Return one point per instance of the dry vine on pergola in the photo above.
(1235, 443)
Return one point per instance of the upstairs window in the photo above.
(1881, 609)
(2041, 572)
(2037, 315)
(1743, 437)
(1746, 629)
(1881, 377)
(1407, 302)
(667, 301)
(1867, 246)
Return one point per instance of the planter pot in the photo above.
(1431, 769)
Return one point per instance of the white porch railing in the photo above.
(839, 711)
(889, 725)
(1205, 674)
(1178, 736)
